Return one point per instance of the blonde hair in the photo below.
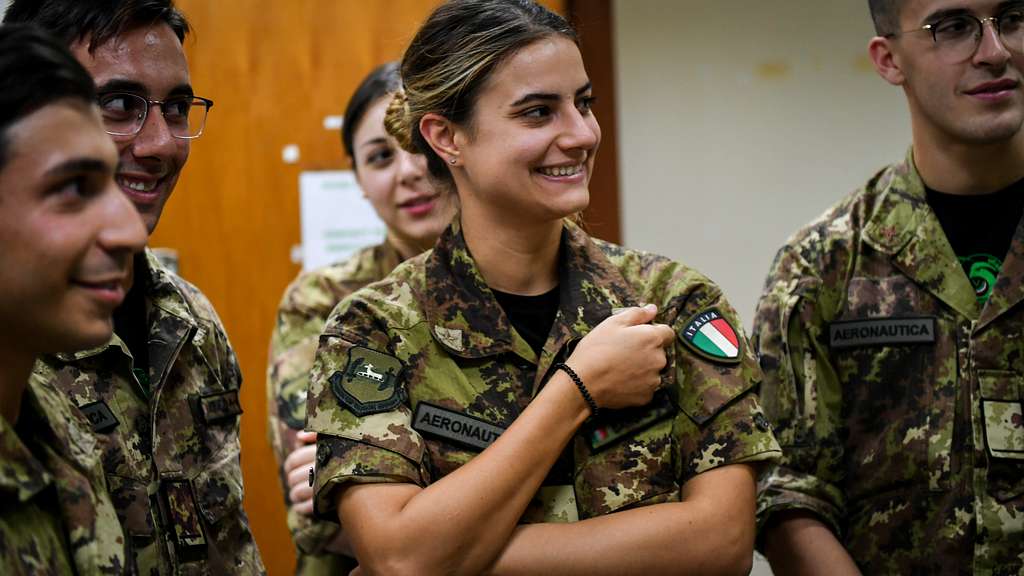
(451, 58)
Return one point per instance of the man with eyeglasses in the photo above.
(891, 329)
(162, 395)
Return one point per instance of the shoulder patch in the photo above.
(370, 383)
(711, 336)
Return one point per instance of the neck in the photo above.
(515, 259)
(407, 247)
(958, 168)
(15, 368)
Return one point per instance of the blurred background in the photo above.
(727, 125)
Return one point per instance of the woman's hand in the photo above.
(296, 467)
(621, 359)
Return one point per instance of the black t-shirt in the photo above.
(531, 316)
(980, 229)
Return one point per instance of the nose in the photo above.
(581, 131)
(154, 140)
(411, 167)
(122, 230)
(991, 49)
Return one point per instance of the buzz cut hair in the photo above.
(97, 21)
(886, 15)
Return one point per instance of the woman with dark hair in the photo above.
(415, 213)
(524, 399)
(67, 236)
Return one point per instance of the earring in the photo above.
(452, 161)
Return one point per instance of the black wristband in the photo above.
(579, 384)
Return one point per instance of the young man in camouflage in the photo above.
(163, 394)
(889, 329)
(59, 205)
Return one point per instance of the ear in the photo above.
(886, 61)
(439, 132)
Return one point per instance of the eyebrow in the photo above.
(548, 96)
(946, 13)
(78, 166)
(374, 142)
(133, 87)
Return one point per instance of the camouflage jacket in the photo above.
(170, 449)
(418, 373)
(304, 309)
(897, 400)
(57, 517)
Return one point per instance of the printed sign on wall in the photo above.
(336, 219)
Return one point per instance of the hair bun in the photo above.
(398, 121)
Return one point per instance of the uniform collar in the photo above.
(466, 319)
(904, 227)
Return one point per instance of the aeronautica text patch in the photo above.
(881, 332)
(711, 336)
(455, 426)
(370, 383)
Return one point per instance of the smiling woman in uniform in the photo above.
(550, 402)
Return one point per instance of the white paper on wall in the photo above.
(336, 219)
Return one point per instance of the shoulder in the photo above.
(316, 292)
(658, 279)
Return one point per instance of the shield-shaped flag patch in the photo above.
(711, 336)
(370, 383)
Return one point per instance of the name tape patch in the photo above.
(100, 417)
(882, 332)
(455, 426)
(220, 406)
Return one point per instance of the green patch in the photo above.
(710, 335)
(370, 383)
(982, 270)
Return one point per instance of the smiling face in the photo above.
(977, 101)
(528, 151)
(67, 233)
(395, 182)
(150, 62)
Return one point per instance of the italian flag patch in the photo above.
(711, 336)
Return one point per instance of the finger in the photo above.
(306, 437)
(299, 476)
(300, 458)
(300, 494)
(304, 508)
(636, 315)
(665, 334)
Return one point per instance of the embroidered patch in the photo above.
(612, 426)
(183, 512)
(100, 417)
(881, 332)
(450, 337)
(455, 426)
(370, 383)
(711, 336)
(220, 406)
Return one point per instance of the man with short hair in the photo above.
(67, 236)
(163, 394)
(890, 328)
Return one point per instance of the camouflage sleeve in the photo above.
(364, 434)
(801, 396)
(292, 349)
(724, 423)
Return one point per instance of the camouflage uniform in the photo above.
(170, 449)
(434, 335)
(897, 400)
(57, 517)
(304, 309)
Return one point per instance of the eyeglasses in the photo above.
(958, 37)
(124, 114)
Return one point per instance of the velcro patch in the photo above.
(881, 332)
(455, 426)
(100, 417)
(612, 426)
(220, 406)
(710, 335)
(370, 383)
(179, 498)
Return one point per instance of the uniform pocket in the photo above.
(1002, 412)
(626, 459)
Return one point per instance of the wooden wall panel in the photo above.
(275, 69)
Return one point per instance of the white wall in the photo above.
(740, 121)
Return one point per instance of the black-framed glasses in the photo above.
(957, 37)
(124, 114)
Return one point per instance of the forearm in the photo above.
(471, 512)
(712, 534)
(798, 544)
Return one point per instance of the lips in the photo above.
(993, 88)
(419, 205)
(108, 291)
(141, 188)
